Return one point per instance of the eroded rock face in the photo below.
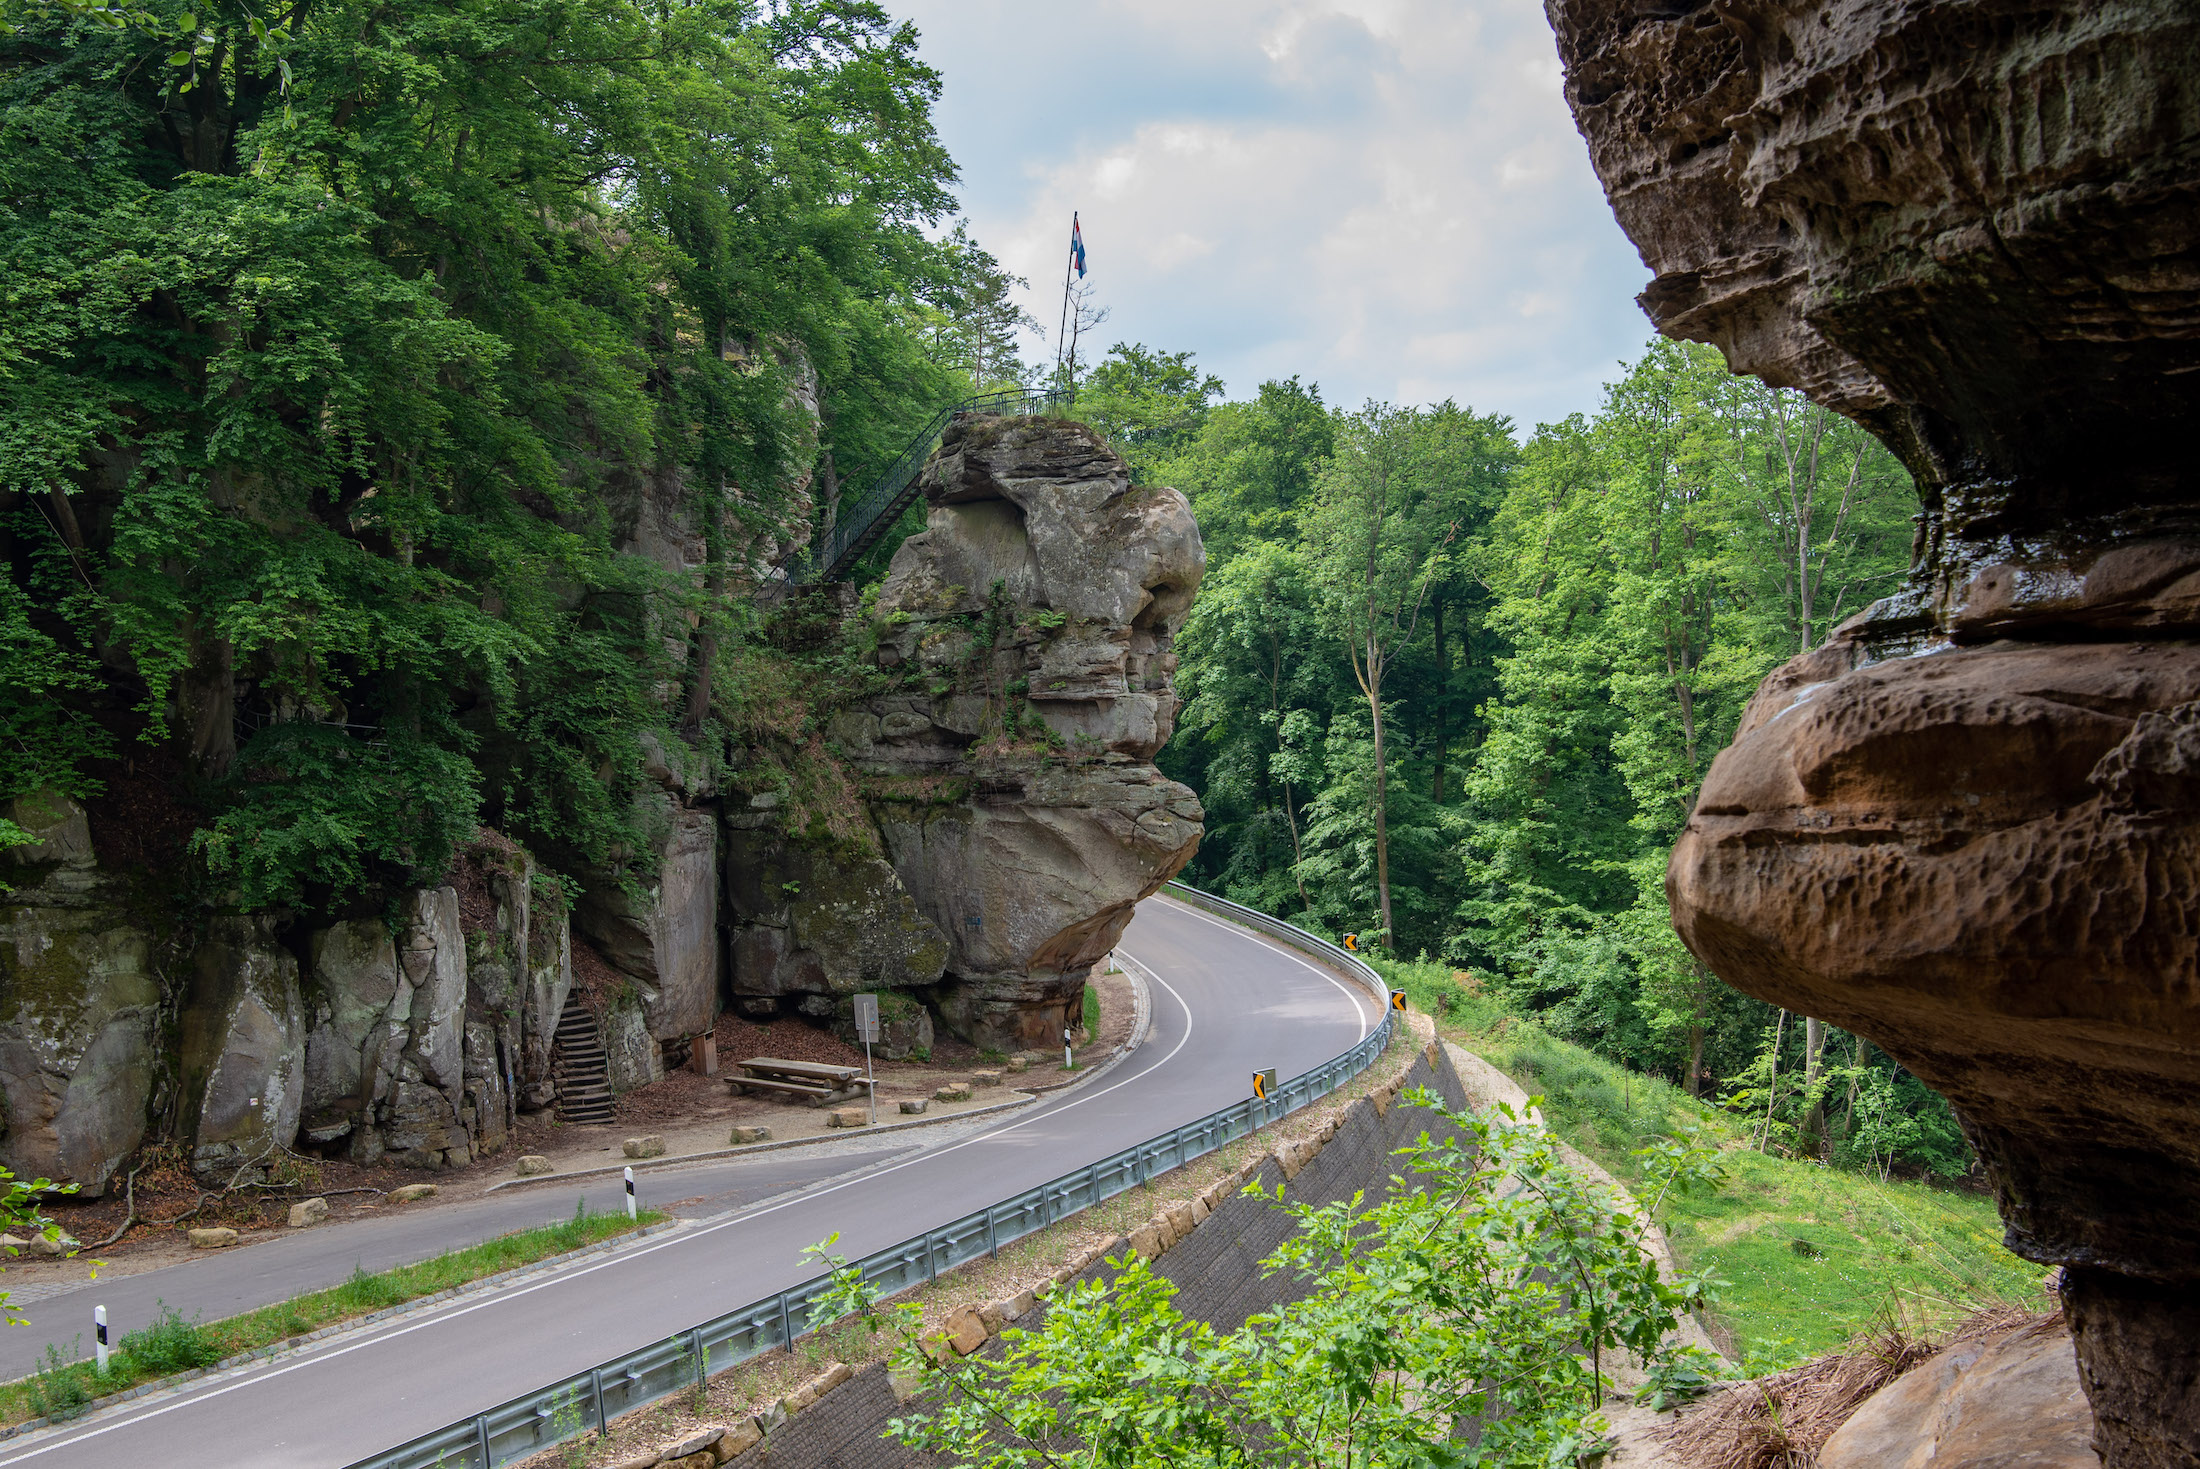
(243, 1047)
(386, 1047)
(1967, 827)
(1033, 623)
(79, 1006)
(667, 942)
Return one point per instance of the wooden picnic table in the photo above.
(814, 1081)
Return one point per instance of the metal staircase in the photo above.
(864, 520)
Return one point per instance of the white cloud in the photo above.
(1384, 196)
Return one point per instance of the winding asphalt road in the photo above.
(1227, 1003)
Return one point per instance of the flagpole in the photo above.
(1061, 333)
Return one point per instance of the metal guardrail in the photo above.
(860, 525)
(588, 1401)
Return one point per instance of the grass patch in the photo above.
(1092, 1011)
(1812, 1256)
(65, 1385)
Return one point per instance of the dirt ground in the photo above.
(691, 1112)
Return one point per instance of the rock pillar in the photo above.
(1968, 827)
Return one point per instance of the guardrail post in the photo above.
(595, 1384)
(992, 1231)
(786, 1321)
(481, 1440)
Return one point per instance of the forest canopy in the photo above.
(1452, 687)
(374, 376)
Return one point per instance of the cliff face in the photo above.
(246, 1034)
(1968, 827)
(990, 820)
(1008, 784)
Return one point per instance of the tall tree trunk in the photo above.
(1695, 1061)
(705, 651)
(1382, 790)
(1814, 1120)
(1443, 688)
(1772, 1087)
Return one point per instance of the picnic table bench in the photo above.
(813, 1081)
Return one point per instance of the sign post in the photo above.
(1264, 1083)
(630, 1193)
(867, 1031)
(1398, 1001)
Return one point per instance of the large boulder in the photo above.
(79, 1005)
(812, 921)
(242, 1049)
(2000, 1399)
(1969, 826)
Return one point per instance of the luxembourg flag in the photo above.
(1077, 245)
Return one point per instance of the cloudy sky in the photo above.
(1384, 196)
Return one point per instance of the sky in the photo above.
(1385, 197)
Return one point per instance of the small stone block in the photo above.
(1020, 1307)
(739, 1439)
(1016, 1066)
(914, 1106)
(211, 1239)
(994, 1315)
(411, 1192)
(648, 1145)
(742, 1136)
(801, 1398)
(848, 1117)
(531, 1164)
(635, 1461)
(60, 1245)
(954, 1091)
(965, 1332)
(696, 1443)
(308, 1212)
(1146, 1239)
(704, 1459)
(985, 1078)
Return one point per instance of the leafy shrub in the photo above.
(171, 1344)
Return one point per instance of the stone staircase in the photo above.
(584, 1071)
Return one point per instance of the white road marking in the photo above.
(435, 1318)
(1299, 959)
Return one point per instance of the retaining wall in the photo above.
(1216, 1267)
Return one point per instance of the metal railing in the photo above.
(588, 1401)
(861, 523)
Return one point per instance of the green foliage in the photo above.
(356, 365)
(1461, 689)
(1493, 1286)
(169, 1345)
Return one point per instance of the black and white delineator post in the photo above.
(630, 1193)
(867, 1031)
(1067, 1063)
(99, 1335)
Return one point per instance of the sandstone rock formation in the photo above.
(1998, 1400)
(1010, 812)
(79, 1005)
(243, 1047)
(1968, 827)
(666, 942)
